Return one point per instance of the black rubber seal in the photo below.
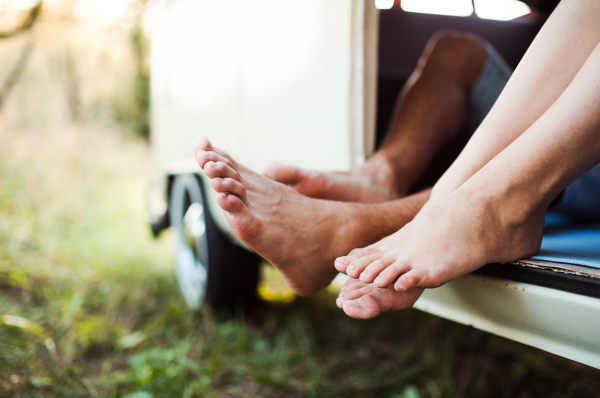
(585, 286)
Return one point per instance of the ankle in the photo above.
(511, 205)
(387, 171)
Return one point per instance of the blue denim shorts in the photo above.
(581, 199)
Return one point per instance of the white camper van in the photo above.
(291, 81)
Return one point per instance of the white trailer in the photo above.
(297, 82)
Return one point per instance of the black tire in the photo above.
(209, 267)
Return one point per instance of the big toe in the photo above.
(202, 144)
(365, 307)
(283, 173)
(379, 301)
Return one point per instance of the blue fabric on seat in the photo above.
(570, 241)
(581, 199)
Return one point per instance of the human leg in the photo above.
(548, 67)
(299, 235)
(490, 83)
(429, 112)
(497, 215)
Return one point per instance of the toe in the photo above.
(362, 308)
(221, 152)
(372, 271)
(202, 144)
(203, 157)
(387, 275)
(339, 301)
(352, 284)
(365, 251)
(357, 266)
(410, 280)
(230, 203)
(341, 263)
(283, 173)
(379, 301)
(365, 289)
(229, 185)
(353, 288)
(220, 169)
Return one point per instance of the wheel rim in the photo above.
(191, 243)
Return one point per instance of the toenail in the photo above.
(206, 154)
(377, 280)
(342, 260)
(353, 303)
(399, 286)
(352, 267)
(364, 274)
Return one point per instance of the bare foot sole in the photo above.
(444, 241)
(365, 184)
(361, 300)
(300, 236)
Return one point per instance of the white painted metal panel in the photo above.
(563, 323)
(264, 79)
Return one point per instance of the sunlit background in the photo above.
(92, 12)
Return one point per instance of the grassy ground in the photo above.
(89, 306)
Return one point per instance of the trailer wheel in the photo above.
(208, 266)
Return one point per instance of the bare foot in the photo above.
(300, 236)
(371, 183)
(456, 236)
(365, 301)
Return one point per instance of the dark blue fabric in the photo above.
(571, 241)
(581, 199)
(491, 82)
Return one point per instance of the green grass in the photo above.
(100, 313)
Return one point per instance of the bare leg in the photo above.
(497, 215)
(430, 110)
(299, 235)
(554, 58)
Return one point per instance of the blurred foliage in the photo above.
(94, 309)
(21, 24)
(141, 90)
(134, 110)
(95, 70)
